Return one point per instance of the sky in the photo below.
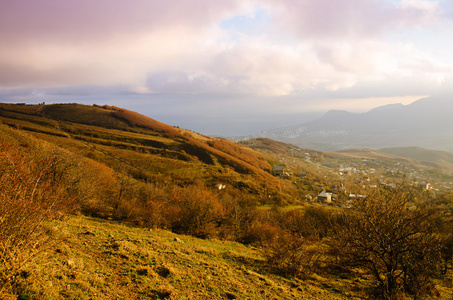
(226, 67)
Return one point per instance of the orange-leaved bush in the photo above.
(194, 210)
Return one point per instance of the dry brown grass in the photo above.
(105, 260)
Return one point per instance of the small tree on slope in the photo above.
(396, 245)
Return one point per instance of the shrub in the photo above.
(91, 185)
(292, 255)
(261, 232)
(313, 222)
(241, 212)
(397, 246)
(194, 210)
(28, 199)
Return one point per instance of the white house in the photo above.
(325, 197)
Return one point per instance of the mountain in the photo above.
(424, 123)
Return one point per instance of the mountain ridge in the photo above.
(424, 123)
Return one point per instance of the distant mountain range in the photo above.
(427, 122)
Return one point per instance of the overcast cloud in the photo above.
(226, 67)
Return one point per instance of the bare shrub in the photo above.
(150, 213)
(153, 215)
(241, 212)
(292, 255)
(142, 204)
(28, 198)
(397, 246)
(91, 184)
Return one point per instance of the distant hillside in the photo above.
(389, 158)
(364, 153)
(422, 154)
(368, 154)
(424, 123)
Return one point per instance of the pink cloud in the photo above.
(87, 19)
(181, 43)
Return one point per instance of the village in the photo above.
(341, 180)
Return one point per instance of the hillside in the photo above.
(146, 148)
(422, 154)
(382, 157)
(96, 259)
(412, 157)
(393, 165)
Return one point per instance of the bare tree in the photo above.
(397, 245)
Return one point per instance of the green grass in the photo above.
(32, 126)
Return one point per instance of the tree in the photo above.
(396, 245)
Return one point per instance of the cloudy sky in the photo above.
(226, 66)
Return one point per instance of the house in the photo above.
(391, 185)
(325, 197)
(279, 170)
(412, 208)
(345, 170)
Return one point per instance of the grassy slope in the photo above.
(111, 135)
(364, 153)
(422, 154)
(106, 260)
(101, 259)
